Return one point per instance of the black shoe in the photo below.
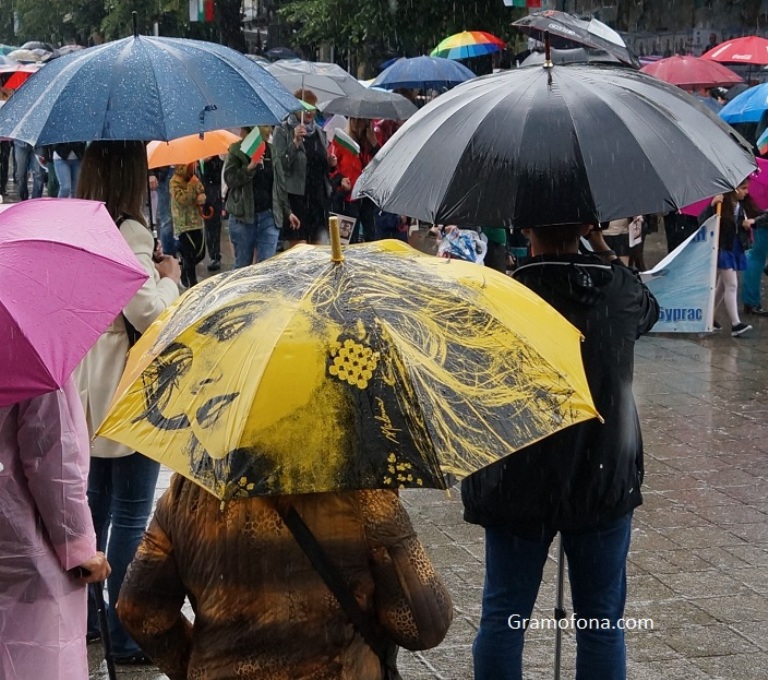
(716, 326)
(739, 329)
(214, 265)
(756, 311)
(92, 637)
(137, 659)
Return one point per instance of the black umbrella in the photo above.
(280, 53)
(567, 31)
(560, 145)
(371, 104)
(575, 55)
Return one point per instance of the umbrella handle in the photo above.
(206, 215)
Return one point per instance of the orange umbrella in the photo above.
(189, 149)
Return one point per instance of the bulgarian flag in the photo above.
(253, 145)
(345, 141)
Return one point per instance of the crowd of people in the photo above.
(262, 608)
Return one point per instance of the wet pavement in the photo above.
(698, 564)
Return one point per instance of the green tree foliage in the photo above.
(92, 21)
(405, 27)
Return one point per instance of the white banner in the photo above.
(684, 282)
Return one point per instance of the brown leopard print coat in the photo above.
(261, 610)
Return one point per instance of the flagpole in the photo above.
(302, 99)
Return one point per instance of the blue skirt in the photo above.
(732, 259)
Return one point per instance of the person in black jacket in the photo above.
(583, 482)
(210, 175)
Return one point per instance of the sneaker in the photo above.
(716, 326)
(214, 265)
(757, 311)
(740, 329)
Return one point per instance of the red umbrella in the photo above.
(748, 50)
(13, 77)
(691, 73)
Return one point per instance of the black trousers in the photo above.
(5, 156)
(213, 233)
(192, 251)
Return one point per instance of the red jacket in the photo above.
(349, 165)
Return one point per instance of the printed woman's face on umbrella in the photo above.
(185, 374)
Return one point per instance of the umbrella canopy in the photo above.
(51, 312)
(562, 145)
(325, 80)
(574, 55)
(144, 88)
(758, 190)
(747, 107)
(37, 45)
(423, 73)
(748, 50)
(24, 56)
(735, 91)
(189, 149)
(371, 104)
(13, 77)
(389, 369)
(468, 44)
(692, 73)
(277, 53)
(68, 49)
(566, 31)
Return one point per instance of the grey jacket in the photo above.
(292, 158)
(238, 179)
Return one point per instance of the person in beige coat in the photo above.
(121, 482)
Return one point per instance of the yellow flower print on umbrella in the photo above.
(384, 368)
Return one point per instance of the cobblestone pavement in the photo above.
(698, 564)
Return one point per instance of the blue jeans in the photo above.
(120, 493)
(598, 577)
(24, 162)
(752, 279)
(164, 218)
(260, 236)
(67, 172)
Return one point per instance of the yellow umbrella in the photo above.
(189, 149)
(384, 368)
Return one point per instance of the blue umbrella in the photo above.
(748, 107)
(144, 88)
(423, 73)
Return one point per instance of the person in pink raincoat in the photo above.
(45, 531)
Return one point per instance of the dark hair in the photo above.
(115, 173)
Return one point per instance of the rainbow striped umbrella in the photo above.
(468, 44)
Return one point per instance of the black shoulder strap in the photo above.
(319, 559)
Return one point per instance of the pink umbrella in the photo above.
(65, 274)
(758, 189)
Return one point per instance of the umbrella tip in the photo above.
(333, 230)
(135, 18)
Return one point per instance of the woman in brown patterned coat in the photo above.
(261, 610)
